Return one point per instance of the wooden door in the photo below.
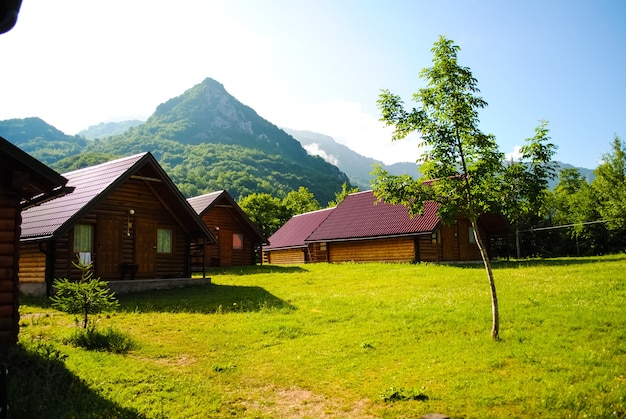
(108, 249)
(448, 241)
(226, 247)
(146, 247)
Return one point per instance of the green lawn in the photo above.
(346, 341)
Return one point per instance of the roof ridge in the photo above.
(95, 166)
(207, 194)
(319, 210)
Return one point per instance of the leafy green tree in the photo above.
(610, 185)
(300, 201)
(88, 296)
(525, 182)
(341, 195)
(461, 165)
(266, 211)
(574, 208)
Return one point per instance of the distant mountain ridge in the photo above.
(41, 140)
(356, 166)
(108, 129)
(208, 140)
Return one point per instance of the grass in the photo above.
(353, 341)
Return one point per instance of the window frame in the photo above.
(160, 238)
(237, 241)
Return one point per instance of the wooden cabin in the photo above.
(239, 240)
(287, 245)
(360, 229)
(125, 216)
(24, 182)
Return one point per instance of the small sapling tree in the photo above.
(461, 165)
(87, 296)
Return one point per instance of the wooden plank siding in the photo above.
(392, 249)
(286, 256)
(32, 263)
(224, 224)
(10, 221)
(116, 240)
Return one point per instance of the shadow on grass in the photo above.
(523, 263)
(256, 269)
(40, 386)
(208, 299)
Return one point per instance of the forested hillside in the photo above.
(205, 139)
(42, 141)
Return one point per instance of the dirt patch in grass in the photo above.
(179, 361)
(299, 403)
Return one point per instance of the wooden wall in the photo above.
(32, 263)
(317, 253)
(113, 246)
(229, 223)
(452, 244)
(10, 221)
(429, 249)
(394, 249)
(285, 256)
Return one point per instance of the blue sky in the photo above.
(320, 65)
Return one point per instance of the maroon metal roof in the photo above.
(360, 216)
(293, 233)
(202, 202)
(44, 220)
(92, 183)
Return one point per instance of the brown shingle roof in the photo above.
(360, 216)
(293, 233)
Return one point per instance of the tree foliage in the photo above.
(342, 194)
(525, 182)
(610, 186)
(460, 163)
(88, 296)
(266, 211)
(300, 201)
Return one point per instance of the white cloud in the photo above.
(315, 150)
(347, 123)
(514, 155)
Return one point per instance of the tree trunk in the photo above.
(517, 246)
(495, 327)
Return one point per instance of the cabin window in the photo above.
(434, 238)
(472, 238)
(83, 242)
(237, 241)
(164, 240)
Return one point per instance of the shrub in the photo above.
(110, 340)
(87, 296)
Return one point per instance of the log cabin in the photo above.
(239, 240)
(361, 229)
(125, 216)
(24, 182)
(287, 245)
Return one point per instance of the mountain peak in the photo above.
(208, 113)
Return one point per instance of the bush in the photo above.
(110, 340)
(87, 296)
